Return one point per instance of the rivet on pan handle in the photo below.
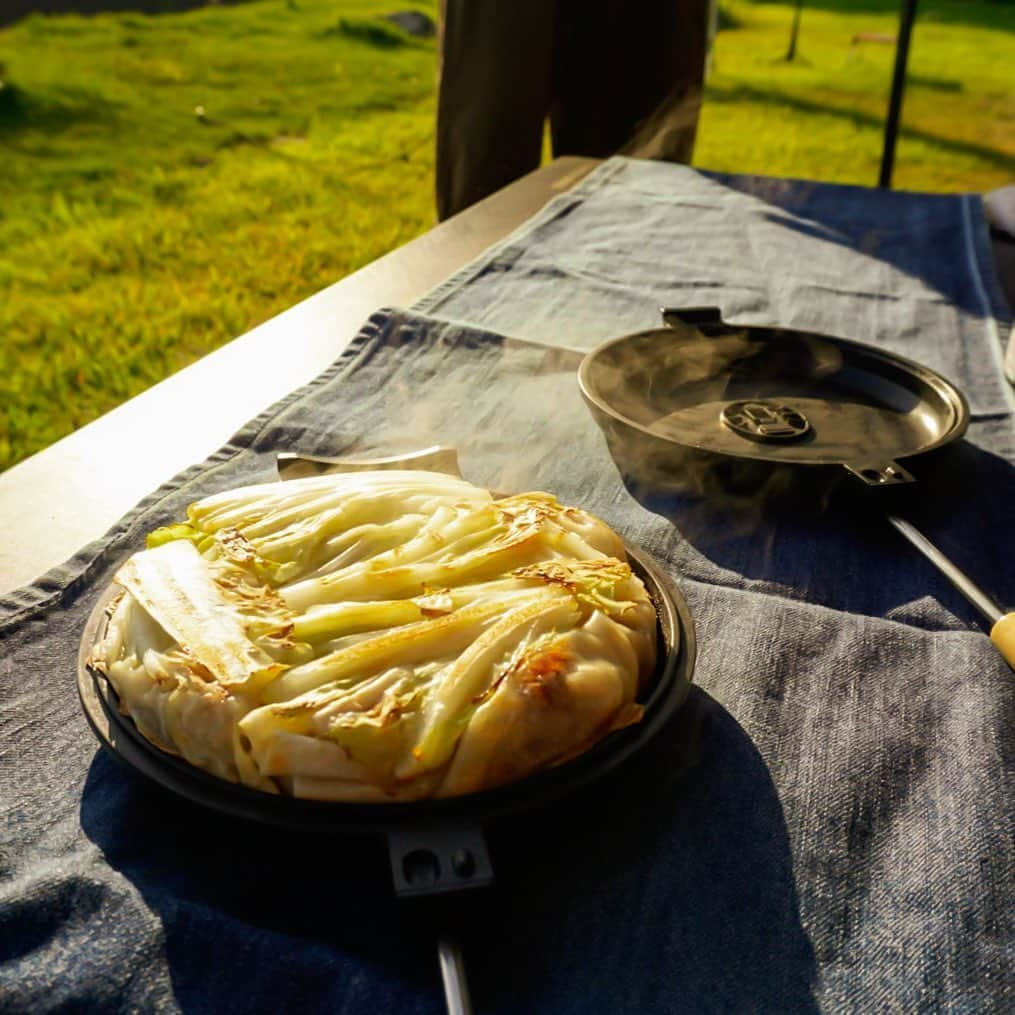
(879, 473)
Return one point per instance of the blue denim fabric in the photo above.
(826, 826)
(912, 273)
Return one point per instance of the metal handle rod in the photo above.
(990, 610)
(906, 19)
(456, 987)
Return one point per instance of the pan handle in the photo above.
(690, 315)
(1002, 634)
(439, 458)
(1001, 624)
(456, 986)
(437, 859)
(879, 473)
(433, 861)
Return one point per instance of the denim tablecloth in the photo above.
(828, 825)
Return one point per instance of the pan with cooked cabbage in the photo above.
(378, 636)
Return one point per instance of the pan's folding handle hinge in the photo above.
(880, 473)
(435, 859)
(690, 315)
(438, 458)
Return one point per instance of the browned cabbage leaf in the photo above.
(379, 636)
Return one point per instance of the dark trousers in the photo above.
(609, 76)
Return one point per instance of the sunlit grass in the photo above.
(170, 181)
(822, 116)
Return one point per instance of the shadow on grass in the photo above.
(747, 93)
(13, 10)
(979, 13)
(51, 112)
(374, 33)
(935, 84)
(726, 19)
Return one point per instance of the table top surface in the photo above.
(837, 781)
(72, 492)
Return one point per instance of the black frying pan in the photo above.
(436, 848)
(749, 414)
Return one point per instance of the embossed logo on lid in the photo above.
(765, 421)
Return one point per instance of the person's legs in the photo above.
(493, 96)
(629, 77)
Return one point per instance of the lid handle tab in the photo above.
(880, 473)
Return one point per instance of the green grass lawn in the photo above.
(170, 181)
(822, 116)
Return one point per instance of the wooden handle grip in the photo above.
(1002, 634)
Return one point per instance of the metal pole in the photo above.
(906, 20)
(794, 31)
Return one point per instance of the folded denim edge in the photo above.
(554, 208)
(988, 287)
(26, 602)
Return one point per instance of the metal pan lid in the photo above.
(771, 395)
